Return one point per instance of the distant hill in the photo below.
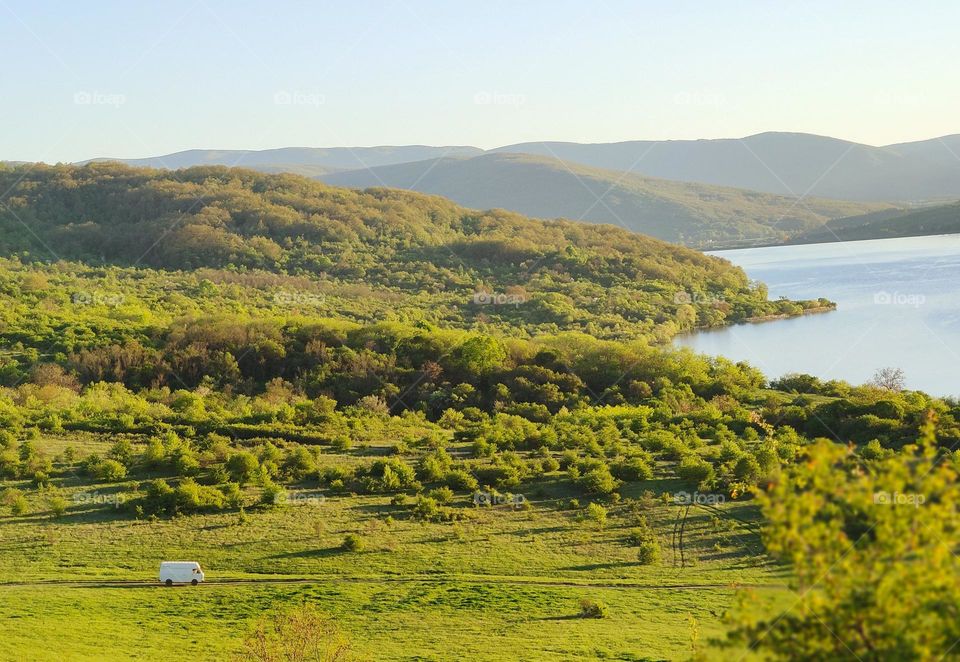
(942, 219)
(416, 252)
(782, 163)
(308, 161)
(689, 213)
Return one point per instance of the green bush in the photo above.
(597, 514)
(243, 466)
(352, 542)
(460, 480)
(648, 552)
(695, 470)
(107, 471)
(442, 495)
(598, 481)
(634, 468)
(593, 609)
(57, 505)
(273, 494)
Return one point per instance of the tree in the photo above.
(299, 634)
(871, 545)
(891, 379)
(242, 466)
(479, 356)
(597, 514)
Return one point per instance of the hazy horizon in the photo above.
(486, 148)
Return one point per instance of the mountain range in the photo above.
(689, 213)
(766, 188)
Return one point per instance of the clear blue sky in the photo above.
(128, 79)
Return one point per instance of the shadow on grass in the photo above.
(601, 566)
(326, 552)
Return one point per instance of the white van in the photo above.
(180, 572)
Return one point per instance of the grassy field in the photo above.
(504, 583)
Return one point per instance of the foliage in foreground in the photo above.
(297, 634)
(872, 547)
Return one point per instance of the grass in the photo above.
(423, 621)
(504, 584)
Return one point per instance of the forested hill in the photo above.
(600, 279)
(939, 219)
(696, 215)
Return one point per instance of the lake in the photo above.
(898, 305)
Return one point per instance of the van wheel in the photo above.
(194, 582)
(169, 582)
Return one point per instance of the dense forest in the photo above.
(421, 256)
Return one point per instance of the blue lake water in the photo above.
(898, 305)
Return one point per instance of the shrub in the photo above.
(433, 466)
(352, 542)
(121, 451)
(747, 469)
(57, 505)
(107, 471)
(155, 455)
(458, 479)
(598, 481)
(501, 475)
(298, 463)
(694, 469)
(598, 514)
(442, 495)
(233, 496)
(273, 494)
(389, 475)
(426, 508)
(550, 464)
(593, 609)
(648, 552)
(634, 468)
(190, 497)
(19, 506)
(341, 443)
(185, 463)
(300, 633)
(158, 499)
(242, 466)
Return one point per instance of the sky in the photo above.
(121, 79)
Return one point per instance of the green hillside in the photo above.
(379, 253)
(944, 219)
(694, 214)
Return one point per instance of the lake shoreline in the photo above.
(898, 305)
